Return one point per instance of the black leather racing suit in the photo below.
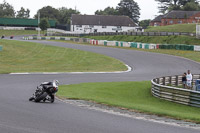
(46, 87)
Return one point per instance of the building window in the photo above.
(171, 21)
(91, 26)
(80, 26)
(118, 26)
(180, 22)
(156, 24)
(104, 26)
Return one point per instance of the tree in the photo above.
(184, 2)
(107, 11)
(129, 8)
(6, 10)
(44, 24)
(191, 6)
(48, 12)
(168, 5)
(144, 23)
(65, 15)
(22, 13)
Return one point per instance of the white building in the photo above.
(101, 23)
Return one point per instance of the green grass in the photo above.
(32, 57)
(173, 28)
(17, 32)
(130, 95)
(151, 39)
(192, 55)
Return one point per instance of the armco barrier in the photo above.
(162, 90)
(121, 44)
(122, 33)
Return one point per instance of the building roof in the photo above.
(158, 18)
(102, 20)
(180, 14)
(23, 22)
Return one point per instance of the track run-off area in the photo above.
(18, 115)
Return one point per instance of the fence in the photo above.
(198, 31)
(143, 33)
(162, 90)
(121, 44)
(125, 33)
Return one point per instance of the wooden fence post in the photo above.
(164, 80)
(170, 80)
(177, 81)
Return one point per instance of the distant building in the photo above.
(156, 21)
(176, 17)
(101, 23)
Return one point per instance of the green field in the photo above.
(173, 28)
(32, 57)
(131, 95)
(151, 39)
(17, 32)
(192, 55)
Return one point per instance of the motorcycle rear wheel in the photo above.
(41, 97)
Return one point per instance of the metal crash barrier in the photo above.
(163, 88)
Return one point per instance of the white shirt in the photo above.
(189, 77)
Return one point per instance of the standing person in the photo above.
(189, 80)
(184, 80)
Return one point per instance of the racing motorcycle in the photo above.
(45, 92)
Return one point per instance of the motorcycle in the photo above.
(11, 37)
(45, 92)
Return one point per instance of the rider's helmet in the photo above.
(56, 82)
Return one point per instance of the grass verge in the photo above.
(130, 95)
(192, 55)
(17, 32)
(33, 57)
(150, 39)
(173, 28)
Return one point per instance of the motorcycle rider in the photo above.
(50, 88)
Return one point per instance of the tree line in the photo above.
(62, 15)
(125, 7)
(184, 5)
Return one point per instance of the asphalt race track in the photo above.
(18, 115)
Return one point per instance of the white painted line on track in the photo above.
(26, 73)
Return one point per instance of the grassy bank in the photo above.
(173, 28)
(32, 57)
(17, 32)
(130, 95)
(192, 55)
(150, 39)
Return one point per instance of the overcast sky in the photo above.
(148, 7)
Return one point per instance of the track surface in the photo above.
(18, 115)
